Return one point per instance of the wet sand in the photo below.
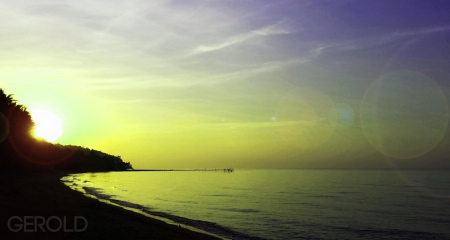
(46, 204)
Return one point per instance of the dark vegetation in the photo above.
(19, 149)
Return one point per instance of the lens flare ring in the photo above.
(27, 156)
(404, 114)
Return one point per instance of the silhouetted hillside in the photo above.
(20, 150)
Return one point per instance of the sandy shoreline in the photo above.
(45, 203)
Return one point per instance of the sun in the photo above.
(48, 125)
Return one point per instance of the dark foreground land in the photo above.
(38, 197)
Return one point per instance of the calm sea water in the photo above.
(287, 204)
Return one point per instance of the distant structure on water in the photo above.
(217, 170)
(228, 170)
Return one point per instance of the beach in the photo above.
(43, 202)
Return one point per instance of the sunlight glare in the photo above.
(48, 125)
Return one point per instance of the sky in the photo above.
(244, 84)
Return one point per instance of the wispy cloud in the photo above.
(242, 125)
(251, 71)
(142, 44)
(273, 29)
(366, 42)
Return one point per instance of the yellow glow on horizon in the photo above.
(48, 125)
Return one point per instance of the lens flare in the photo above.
(404, 114)
(341, 115)
(417, 55)
(48, 125)
(303, 112)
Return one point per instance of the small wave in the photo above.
(217, 195)
(310, 204)
(237, 210)
(325, 196)
(191, 202)
(160, 199)
(292, 193)
(119, 189)
(97, 193)
(127, 204)
(345, 193)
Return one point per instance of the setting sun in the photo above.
(48, 125)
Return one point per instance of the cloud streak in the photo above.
(274, 29)
(367, 42)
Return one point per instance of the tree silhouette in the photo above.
(22, 150)
(20, 119)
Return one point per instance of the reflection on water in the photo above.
(287, 204)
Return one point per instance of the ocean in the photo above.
(286, 204)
